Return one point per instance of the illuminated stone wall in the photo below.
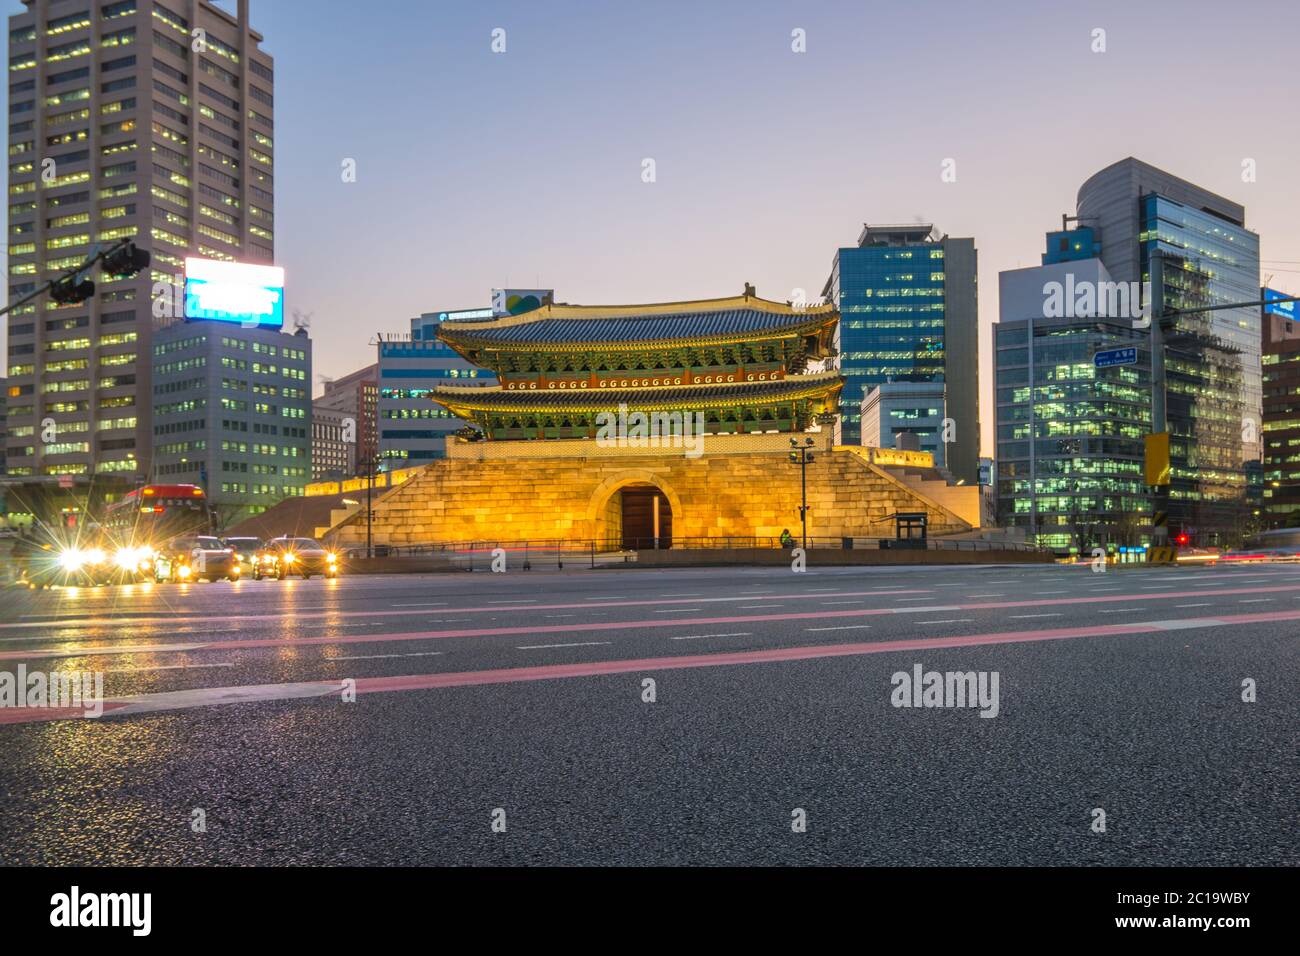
(572, 496)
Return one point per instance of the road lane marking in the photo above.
(1204, 604)
(314, 615)
(540, 647)
(841, 627)
(951, 620)
(680, 610)
(751, 607)
(423, 604)
(164, 667)
(579, 627)
(380, 657)
(203, 697)
(696, 637)
(1021, 617)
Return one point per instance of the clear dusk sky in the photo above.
(478, 169)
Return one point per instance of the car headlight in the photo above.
(290, 558)
(96, 556)
(332, 558)
(71, 559)
(128, 559)
(183, 571)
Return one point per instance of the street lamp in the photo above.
(801, 456)
(368, 469)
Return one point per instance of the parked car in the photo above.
(191, 558)
(282, 557)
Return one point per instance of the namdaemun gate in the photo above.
(645, 425)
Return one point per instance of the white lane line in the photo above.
(613, 597)
(903, 600)
(1051, 592)
(529, 601)
(679, 610)
(995, 594)
(554, 617)
(423, 604)
(1256, 601)
(842, 627)
(925, 610)
(1103, 589)
(1204, 604)
(816, 590)
(538, 647)
(1120, 610)
(951, 620)
(380, 657)
(162, 667)
(684, 594)
(696, 637)
(833, 603)
(109, 651)
(1156, 587)
(1021, 617)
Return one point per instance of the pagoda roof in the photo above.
(496, 398)
(737, 317)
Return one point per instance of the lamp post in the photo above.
(801, 455)
(368, 468)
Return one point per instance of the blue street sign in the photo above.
(1106, 359)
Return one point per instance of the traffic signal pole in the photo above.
(115, 257)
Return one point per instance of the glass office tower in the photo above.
(907, 301)
(1212, 359)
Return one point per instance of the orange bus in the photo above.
(152, 515)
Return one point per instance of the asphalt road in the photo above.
(521, 698)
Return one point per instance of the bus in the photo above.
(152, 515)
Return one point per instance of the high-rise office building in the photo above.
(1280, 495)
(413, 429)
(356, 397)
(4, 420)
(1212, 359)
(127, 119)
(232, 413)
(1070, 436)
(907, 298)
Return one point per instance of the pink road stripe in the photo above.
(506, 608)
(426, 611)
(395, 637)
(145, 703)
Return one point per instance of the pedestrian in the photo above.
(787, 539)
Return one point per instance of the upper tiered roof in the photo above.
(705, 321)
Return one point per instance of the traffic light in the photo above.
(72, 290)
(126, 261)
